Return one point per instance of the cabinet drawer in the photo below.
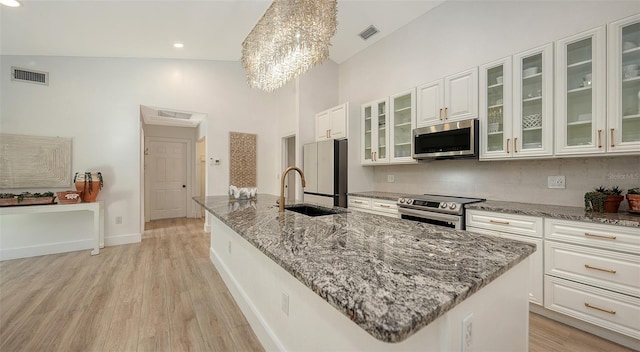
(385, 206)
(619, 238)
(615, 271)
(358, 202)
(613, 311)
(509, 223)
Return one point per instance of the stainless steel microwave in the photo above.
(446, 141)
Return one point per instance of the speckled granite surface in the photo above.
(380, 195)
(389, 276)
(558, 212)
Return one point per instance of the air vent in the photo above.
(367, 33)
(29, 76)
(174, 114)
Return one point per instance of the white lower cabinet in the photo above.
(519, 228)
(592, 273)
(374, 206)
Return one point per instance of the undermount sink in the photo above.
(312, 210)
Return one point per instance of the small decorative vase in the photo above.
(89, 183)
(634, 203)
(612, 203)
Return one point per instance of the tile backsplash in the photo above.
(515, 180)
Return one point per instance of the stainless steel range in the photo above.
(436, 209)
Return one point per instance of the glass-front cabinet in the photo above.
(624, 85)
(375, 134)
(402, 122)
(580, 93)
(533, 102)
(496, 109)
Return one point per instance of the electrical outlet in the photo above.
(555, 182)
(391, 178)
(467, 333)
(118, 220)
(284, 304)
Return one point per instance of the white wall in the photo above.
(96, 101)
(458, 35)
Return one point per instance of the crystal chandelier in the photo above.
(290, 38)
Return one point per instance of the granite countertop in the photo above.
(389, 276)
(558, 212)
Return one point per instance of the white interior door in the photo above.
(167, 179)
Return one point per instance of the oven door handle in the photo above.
(429, 215)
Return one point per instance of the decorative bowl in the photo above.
(493, 127)
(628, 45)
(532, 121)
(529, 71)
(499, 80)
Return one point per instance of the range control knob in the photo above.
(452, 206)
(409, 201)
(401, 200)
(443, 205)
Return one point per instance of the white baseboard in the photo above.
(122, 239)
(258, 324)
(207, 228)
(44, 249)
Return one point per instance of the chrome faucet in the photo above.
(282, 184)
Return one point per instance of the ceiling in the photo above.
(209, 29)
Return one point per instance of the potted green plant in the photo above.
(26, 198)
(633, 197)
(89, 183)
(603, 200)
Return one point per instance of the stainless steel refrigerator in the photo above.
(325, 170)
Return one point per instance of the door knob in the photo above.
(184, 186)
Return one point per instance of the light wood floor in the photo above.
(160, 295)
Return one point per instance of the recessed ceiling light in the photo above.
(10, 3)
(178, 45)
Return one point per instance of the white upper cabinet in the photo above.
(450, 99)
(496, 109)
(533, 102)
(375, 132)
(402, 121)
(332, 123)
(624, 86)
(580, 93)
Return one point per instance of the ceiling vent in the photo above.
(29, 76)
(174, 114)
(369, 32)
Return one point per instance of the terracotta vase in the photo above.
(89, 190)
(634, 202)
(612, 203)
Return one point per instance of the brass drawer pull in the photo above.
(446, 112)
(600, 138)
(499, 222)
(385, 206)
(508, 141)
(613, 312)
(594, 268)
(440, 115)
(515, 145)
(612, 143)
(586, 234)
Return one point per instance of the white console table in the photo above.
(97, 208)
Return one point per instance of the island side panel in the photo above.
(500, 310)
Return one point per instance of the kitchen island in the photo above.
(406, 285)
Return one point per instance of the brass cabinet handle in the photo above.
(358, 202)
(446, 113)
(612, 144)
(375, 156)
(613, 312)
(515, 145)
(327, 133)
(440, 114)
(499, 222)
(385, 206)
(600, 138)
(594, 268)
(508, 141)
(606, 237)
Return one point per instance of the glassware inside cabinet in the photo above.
(402, 126)
(579, 114)
(367, 133)
(532, 102)
(495, 105)
(382, 129)
(631, 83)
